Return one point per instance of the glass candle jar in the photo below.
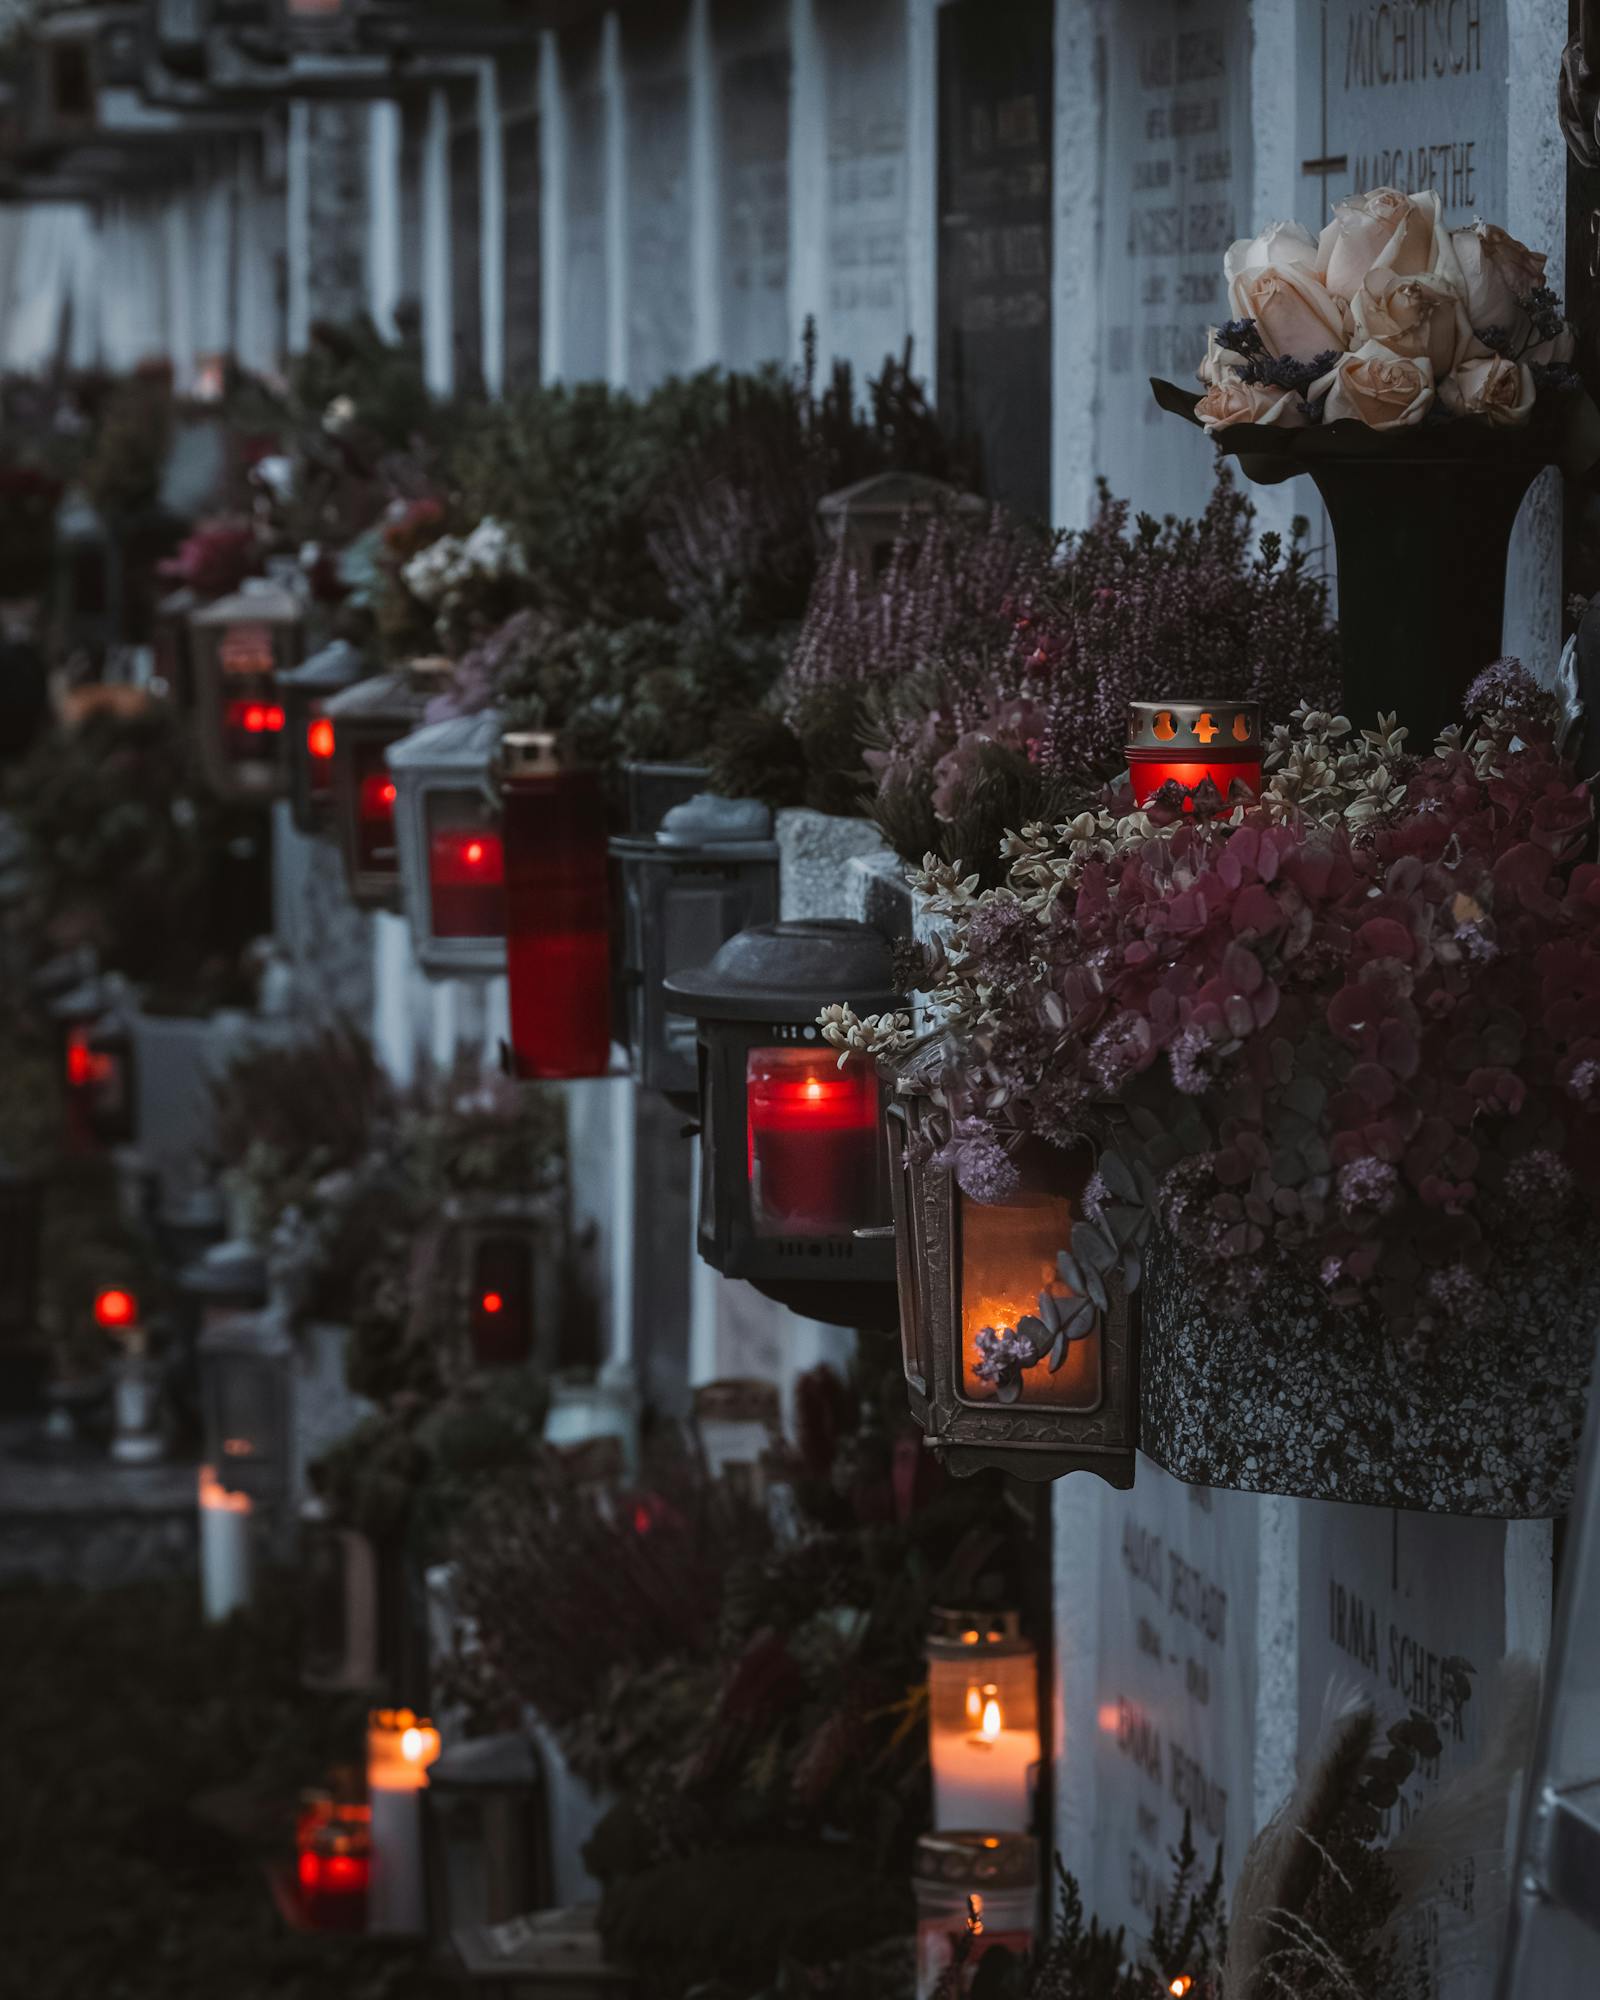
(815, 1159)
(983, 1720)
(1188, 743)
(977, 1892)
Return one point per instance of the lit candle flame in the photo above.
(1180, 1986)
(974, 1915)
(992, 1720)
(412, 1746)
(813, 1089)
(975, 1706)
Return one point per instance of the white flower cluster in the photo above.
(455, 564)
(1401, 312)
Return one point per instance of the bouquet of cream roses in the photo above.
(1387, 319)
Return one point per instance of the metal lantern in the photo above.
(1193, 743)
(505, 1267)
(366, 719)
(96, 1063)
(558, 944)
(452, 856)
(983, 1720)
(793, 1193)
(239, 647)
(138, 1415)
(246, 1372)
(737, 1422)
(487, 1839)
(869, 518)
(977, 1891)
(340, 1581)
(309, 729)
(982, 1382)
(709, 871)
(650, 791)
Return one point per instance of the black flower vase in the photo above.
(1422, 546)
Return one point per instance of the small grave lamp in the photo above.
(709, 871)
(246, 1372)
(869, 518)
(737, 1422)
(400, 1748)
(340, 1584)
(973, 1885)
(307, 690)
(558, 945)
(138, 1431)
(227, 1548)
(487, 1842)
(452, 856)
(505, 1264)
(366, 719)
(96, 1055)
(240, 646)
(983, 1720)
(333, 1862)
(1188, 743)
(793, 1193)
(1005, 1366)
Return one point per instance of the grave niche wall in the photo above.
(584, 292)
(1177, 192)
(864, 89)
(466, 234)
(519, 128)
(753, 74)
(660, 311)
(995, 104)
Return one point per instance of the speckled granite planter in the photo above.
(1306, 1401)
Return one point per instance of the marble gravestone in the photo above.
(1405, 93)
(1177, 193)
(754, 69)
(584, 303)
(864, 59)
(660, 313)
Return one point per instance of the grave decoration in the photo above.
(1337, 1051)
(1423, 377)
(452, 853)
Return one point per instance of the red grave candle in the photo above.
(375, 797)
(1187, 742)
(319, 755)
(466, 881)
(501, 1302)
(813, 1143)
(333, 1865)
(558, 953)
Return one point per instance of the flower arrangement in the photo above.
(1387, 319)
(214, 559)
(983, 680)
(1346, 1031)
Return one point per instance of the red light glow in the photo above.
(319, 737)
(85, 1066)
(115, 1308)
(255, 718)
(1148, 774)
(377, 796)
(491, 1302)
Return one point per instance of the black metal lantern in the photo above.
(366, 719)
(246, 1372)
(709, 871)
(340, 1584)
(452, 853)
(505, 1271)
(869, 518)
(240, 647)
(95, 1056)
(487, 1833)
(793, 1181)
(1006, 1367)
(309, 729)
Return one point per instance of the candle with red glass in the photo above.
(792, 1166)
(239, 647)
(368, 719)
(309, 730)
(505, 1255)
(333, 1863)
(452, 854)
(558, 946)
(96, 1064)
(1193, 743)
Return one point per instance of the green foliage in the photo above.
(123, 468)
(128, 851)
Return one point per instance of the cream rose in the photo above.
(1378, 388)
(1294, 313)
(1233, 401)
(1493, 388)
(1411, 316)
(1218, 361)
(1380, 230)
(1285, 244)
(1495, 271)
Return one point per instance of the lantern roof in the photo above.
(724, 829)
(977, 1860)
(462, 745)
(334, 666)
(954, 1634)
(256, 597)
(228, 1271)
(380, 696)
(790, 970)
(894, 495)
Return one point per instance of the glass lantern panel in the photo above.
(814, 1146)
(501, 1301)
(252, 707)
(1008, 1268)
(375, 796)
(697, 919)
(244, 1416)
(466, 867)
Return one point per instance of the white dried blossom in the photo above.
(339, 416)
(883, 1037)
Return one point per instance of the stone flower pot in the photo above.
(1306, 1400)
